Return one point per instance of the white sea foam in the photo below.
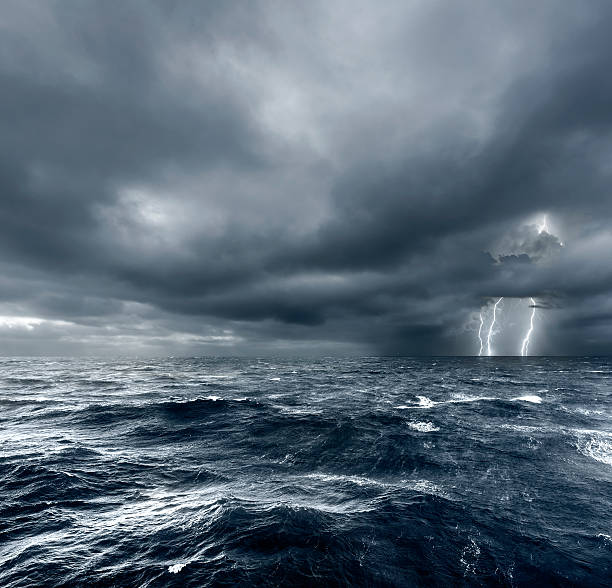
(274, 379)
(469, 557)
(463, 398)
(584, 411)
(521, 428)
(424, 402)
(526, 398)
(176, 568)
(195, 399)
(529, 398)
(427, 427)
(358, 480)
(596, 447)
(607, 538)
(424, 486)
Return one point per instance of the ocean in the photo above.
(333, 472)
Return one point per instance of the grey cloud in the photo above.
(337, 176)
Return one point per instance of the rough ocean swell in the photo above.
(360, 472)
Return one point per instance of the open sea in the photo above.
(335, 472)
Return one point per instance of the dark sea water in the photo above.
(360, 472)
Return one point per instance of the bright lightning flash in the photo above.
(490, 334)
(543, 227)
(525, 346)
(480, 334)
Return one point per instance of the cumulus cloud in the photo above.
(529, 243)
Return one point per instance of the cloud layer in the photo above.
(328, 177)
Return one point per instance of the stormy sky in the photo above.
(316, 178)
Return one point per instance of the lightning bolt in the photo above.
(543, 227)
(490, 334)
(525, 346)
(480, 334)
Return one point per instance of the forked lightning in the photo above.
(525, 345)
(480, 334)
(490, 334)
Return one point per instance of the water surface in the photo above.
(338, 472)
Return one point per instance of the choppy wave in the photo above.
(360, 472)
(596, 445)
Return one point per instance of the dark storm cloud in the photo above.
(266, 177)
